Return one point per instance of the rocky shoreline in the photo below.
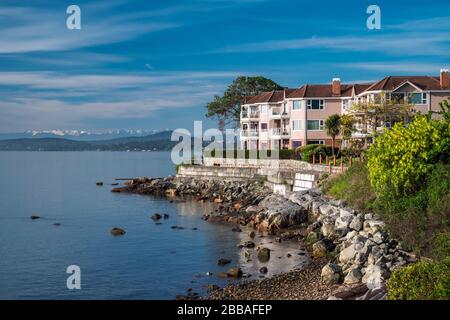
(358, 251)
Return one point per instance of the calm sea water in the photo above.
(149, 262)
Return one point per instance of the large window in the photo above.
(418, 98)
(315, 124)
(296, 144)
(296, 105)
(316, 104)
(398, 97)
(296, 125)
(263, 126)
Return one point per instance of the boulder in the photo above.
(34, 217)
(327, 230)
(263, 270)
(357, 223)
(344, 219)
(252, 234)
(264, 254)
(312, 238)
(117, 231)
(234, 272)
(156, 216)
(353, 276)
(321, 248)
(347, 254)
(249, 244)
(374, 276)
(331, 274)
(222, 261)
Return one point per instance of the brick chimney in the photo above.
(445, 79)
(336, 87)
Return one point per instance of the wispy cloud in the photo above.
(34, 29)
(408, 67)
(48, 99)
(411, 44)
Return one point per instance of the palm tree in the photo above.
(333, 128)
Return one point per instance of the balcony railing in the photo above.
(249, 133)
(244, 115)
(275, 131)
(254, 114)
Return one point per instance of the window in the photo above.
(296, 144)
(315, 142)
(296, 105)
(345, 104)
(296, 125)
(418, 98)
(263, 126)
(315, 124)
(398, 97)
(316, 104)
(264, 109)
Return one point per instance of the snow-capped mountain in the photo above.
(79, 135)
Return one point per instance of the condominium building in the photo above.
(291, 118)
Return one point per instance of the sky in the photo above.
(155, 64)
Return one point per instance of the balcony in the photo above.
(244, 115)
(254, 115)
(250, 133)
(275, 133)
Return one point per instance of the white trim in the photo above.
(405, 82)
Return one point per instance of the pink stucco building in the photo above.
(291, 118)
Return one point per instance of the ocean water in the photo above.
(150, 261)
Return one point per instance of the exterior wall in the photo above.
(331, 106)
(437, 97)
(298, 135)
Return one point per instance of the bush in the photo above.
(425, 280)
(307, 152)
(400, 158)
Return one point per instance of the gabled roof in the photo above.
(392, 82)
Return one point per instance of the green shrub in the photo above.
(441, 245)
(307, 152)
(402, 157)
(425, 280)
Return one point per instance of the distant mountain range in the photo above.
(79, 135)
(154, 142)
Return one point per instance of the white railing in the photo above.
(276, 131)
(249, 133)
(254, 114)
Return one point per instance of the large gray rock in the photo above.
(321, 248)
(353, 276)
(347, 254)
(344, 219)
(331, 274)
(280, 213)
(374, 276)
(357, 223)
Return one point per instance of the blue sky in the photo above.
(155, 64)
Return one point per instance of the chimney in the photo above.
(336, 87)
(445, 78)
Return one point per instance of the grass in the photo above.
(353, 186)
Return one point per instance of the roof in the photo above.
(393, 82)
(269, 96)
(325, 90)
